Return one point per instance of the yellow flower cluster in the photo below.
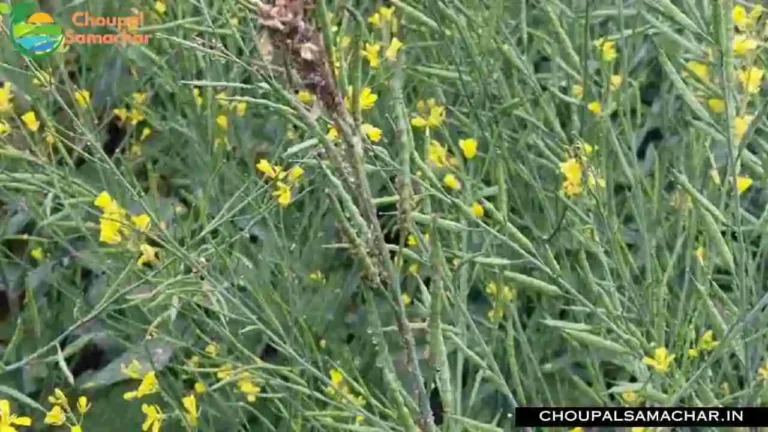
(61, 413)
(607, 50)
(115, 225)
(430, 114)
(661, 360)
(239, 107)
(500, 299)
(745, 45)
(285, 181)
(134, 112)
(339, 389)
(29, 118)
(383, 17)
(706, 343)
(573, 170)
(149, 385)
(136, 146)
(83, 98)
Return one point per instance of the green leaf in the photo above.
(15, 394)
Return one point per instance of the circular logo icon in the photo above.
(33, 33)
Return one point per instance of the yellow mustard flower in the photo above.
(225, 371)
(707, 341)
(478, 210)
(740, 17)
(282, 193)
(148, 255)
(437, 154)
(83, 405)
(248, 387)
(607, 49)
(317, 275)
(212, 349)
(83, 98)
(333, 133)
(375, 19)
(745, 20)
(751, 78)
(743, 44)
(30, 121)
(58, 398)
(75, 428)
(4, 127)
(6, 96)
(699, 69)
(200, 387)
(142, 222)
(367, 98)
(37, 253)
(345, 41)
(55, 416)
(741, 125)
(431, 115)
(661, 360)
(407, 300)
(577, 90)
(149, 385)
(468, 147)
(394, 47)
(121, 113)
(595, 107)
(371, 53)
(451, 182)
(111, 228)
(295, 173)
(190, 406)
(240, 108)
(615, 82)
(305, 97)
(387, 13)
(198, 97)
(743, 183)
(153, 419)
(572, 171)
(222, 121)
(133, 370)
(413, 269)
(271, 171)
(716, 105)
(139, 98)
(700, 253)
(496, 313)
(8, 420)
(373, 133)
(631, 398)
(576, 429)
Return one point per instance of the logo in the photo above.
(36, 34)
(33, 33)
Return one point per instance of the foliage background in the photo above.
(657, 257)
